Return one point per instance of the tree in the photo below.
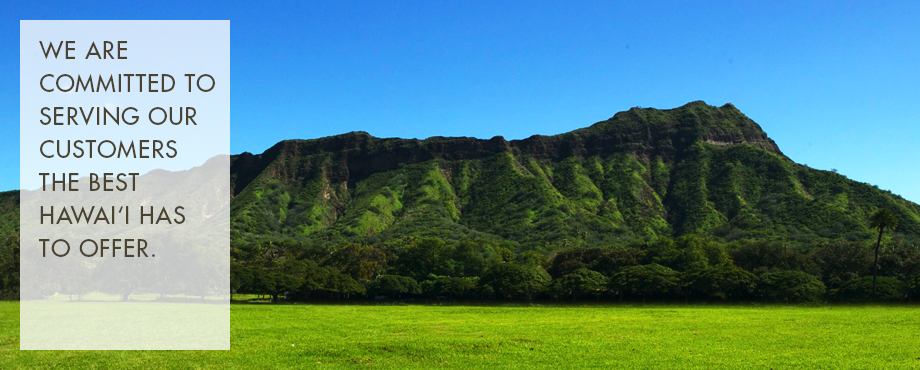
(581, 281)
(422, 256)
(859, 290)
(880, 220)
(761, 256)
(473, 257)
(688, 252)
(531, 258)
(342, 283)
(362, 263)
(9, 267)
(842, 261)
(646, 280)
(721, 282)
(453, 287)
(513, 280)
(276, 269)
(791, 286)
(395, 285)
(283, 275)
(901, 260)
(607, 261)
(328, 279)
(241, 278)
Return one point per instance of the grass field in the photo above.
(615, 337)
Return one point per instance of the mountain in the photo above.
(640, 175)
(697, 198)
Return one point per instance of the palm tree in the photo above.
(880, 220)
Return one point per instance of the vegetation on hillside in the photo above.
(642, 175)
(691, 203)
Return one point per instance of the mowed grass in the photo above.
(553, 337)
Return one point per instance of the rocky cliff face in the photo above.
(641, 174)
(641, 132)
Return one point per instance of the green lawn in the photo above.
(614, 337)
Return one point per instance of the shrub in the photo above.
(721, 282)
(512, 280)
(860, 290)
(651, 280)
(791, 286)
(582, 282)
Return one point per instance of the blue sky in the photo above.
(835, 84)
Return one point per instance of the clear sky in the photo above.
(836, 84)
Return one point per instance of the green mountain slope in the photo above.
(644, 173)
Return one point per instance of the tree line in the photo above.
(686, 268)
